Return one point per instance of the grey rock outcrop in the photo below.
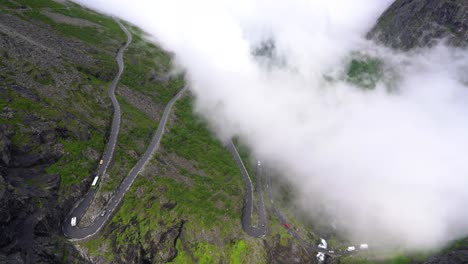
(458, 257)
(407, 24)
(30, 213)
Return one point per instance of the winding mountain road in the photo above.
(109, 154)
(76, 233)
(80, 209)
(261, 229)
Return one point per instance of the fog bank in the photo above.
(389, 164)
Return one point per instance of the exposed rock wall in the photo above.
(30, 217)
(407, 24)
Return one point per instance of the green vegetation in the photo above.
(74, 166)
(392, 260)
(40, 3)
(377, 258)
(205, 253)
(247, 159)
(364, 72)
(182, 256)
(461, 243)
(6, 4)
(189, 138)
(135, 134)
(41, 76)
(102, 71)
(142, 59)
(104, 35)
(137, 128)
(147, 70)
(78, 110)
(206, 197)
(192, 181)
(99, 247)
(123, 162)
(239, 251)
(143, 63)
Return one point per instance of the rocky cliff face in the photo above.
(54, 110)
(407, 24)
(30, 213)
(459, 256)
(41, 71)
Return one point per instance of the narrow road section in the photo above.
(76, 233)
(109, 154)
(80, 209)
(261, 229)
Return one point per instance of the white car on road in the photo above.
(73, 221)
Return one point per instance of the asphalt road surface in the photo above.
(109, 154)
(77, 233)
(80, 210)
(261, 229)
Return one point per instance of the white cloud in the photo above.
(392, 168)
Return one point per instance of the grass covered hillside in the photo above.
(185, 207)
(57, 60)
(56, 63)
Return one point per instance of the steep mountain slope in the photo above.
(408, 24)
(56, 63)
